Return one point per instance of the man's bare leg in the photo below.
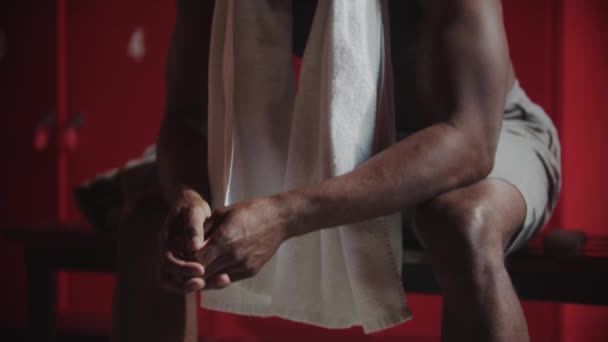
(143, 311)
(466, 232)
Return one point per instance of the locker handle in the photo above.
(70, 134)
(43, 131)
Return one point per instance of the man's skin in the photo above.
(462, 75)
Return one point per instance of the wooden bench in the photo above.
(565, 267)
(546, 273)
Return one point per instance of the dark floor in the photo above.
(19, 336)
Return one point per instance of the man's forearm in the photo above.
(416, 169)
(182, 156)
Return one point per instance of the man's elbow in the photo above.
(479, 136)
(481, 161)
(486, 165)
(476, 155)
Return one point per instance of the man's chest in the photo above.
(405, 19)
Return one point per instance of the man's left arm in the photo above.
(463, 70)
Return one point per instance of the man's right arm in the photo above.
(182, 149)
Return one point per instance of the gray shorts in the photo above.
(528, 157)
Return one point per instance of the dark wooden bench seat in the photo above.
(573, 274)
(548, 272)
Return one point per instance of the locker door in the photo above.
(115, 90)
(28, 173)
(116, 52)
(27, 105)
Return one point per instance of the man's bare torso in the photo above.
(405, 29)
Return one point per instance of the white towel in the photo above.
(264, 139)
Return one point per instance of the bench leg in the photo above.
(41, 299)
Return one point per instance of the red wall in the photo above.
(560, 55)
(27, 68)
(122, 102)
(584, 90)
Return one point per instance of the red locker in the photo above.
(115, 86)
(82, 91)
(29, 173)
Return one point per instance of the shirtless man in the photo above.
(476, 197)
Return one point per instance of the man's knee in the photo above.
(459, 227)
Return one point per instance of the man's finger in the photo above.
(211, 224)
(196, 243)
(180, 285)
(208, 254)
(237, 273)
(217, 267)
(220, 281)
(189, 223)
(226, 277)
(171, 263)
(183, 229)
(194, 284)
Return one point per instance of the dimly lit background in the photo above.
(82, 91)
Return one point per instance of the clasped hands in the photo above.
(204, 250)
